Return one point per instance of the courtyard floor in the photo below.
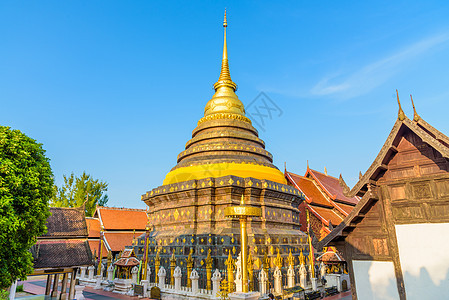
(35, 288)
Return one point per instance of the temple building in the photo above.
(324, 200)
(62, 251)
(394, 240)
(119, 226)
(224, 159)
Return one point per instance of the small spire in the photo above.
(225, 75)
(285, 167)
(307, 164)
(401, 114)
(325, 171)
(415, 114)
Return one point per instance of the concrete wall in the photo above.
(424, 256)
(375, 280)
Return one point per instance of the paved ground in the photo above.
(37, 288)
(341, 296)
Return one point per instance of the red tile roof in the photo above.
(94, 247)
(344, 208)
(117, 241)
(332, 186)
(122, 218)
(326, 214)
(309, 189)
(93, 227)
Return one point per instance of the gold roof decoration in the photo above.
(224, 141)
(225, 100)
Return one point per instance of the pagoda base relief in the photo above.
(189, 216)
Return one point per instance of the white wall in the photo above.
(375, 280)
(424, 256)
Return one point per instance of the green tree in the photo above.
(26, 185)
(76, 190)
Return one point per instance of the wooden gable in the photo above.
(408, 183)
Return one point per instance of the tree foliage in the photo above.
(76, 190)
(26, 185)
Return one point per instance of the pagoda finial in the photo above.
(401, 114)
(225, 75)
(415, 114)
(325, 171)
(307, 165)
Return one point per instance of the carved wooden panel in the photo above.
(442, 188)
(380, 247)
(421, 190)
(439, 212)
(397, 192)
(405, 214)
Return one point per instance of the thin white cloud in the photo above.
(376, 73)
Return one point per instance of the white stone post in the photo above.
(194, 277)
(277, 281)
(216, 278)
(99, 278)
(148, 273)
(144, 283)
(263, 278)
(302, 276)
(290, 277)
(97, 282)
(314, 284)
(110, 272)
(177, 274)
(12, 290)
(91, 271)
(161, 275)
(83, 272)
(134, 272)
(79, 292)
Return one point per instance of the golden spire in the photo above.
(225, 75)
(415, 114)
(225, 100)
(401, 114)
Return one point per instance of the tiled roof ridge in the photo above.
(323, 174)
(122, 208)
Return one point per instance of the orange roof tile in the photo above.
(307, 186)
(332, 186)
(122, 218)
(119, 240)
(327, 214)
(94, 248)
(345, 208)
(93, 227)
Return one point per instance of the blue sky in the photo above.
(115, 88)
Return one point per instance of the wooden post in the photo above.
(48, 286)
(54, 292)
(63, 295)
(72, 284)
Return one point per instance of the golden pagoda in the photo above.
(224, 142)
(224, 159)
